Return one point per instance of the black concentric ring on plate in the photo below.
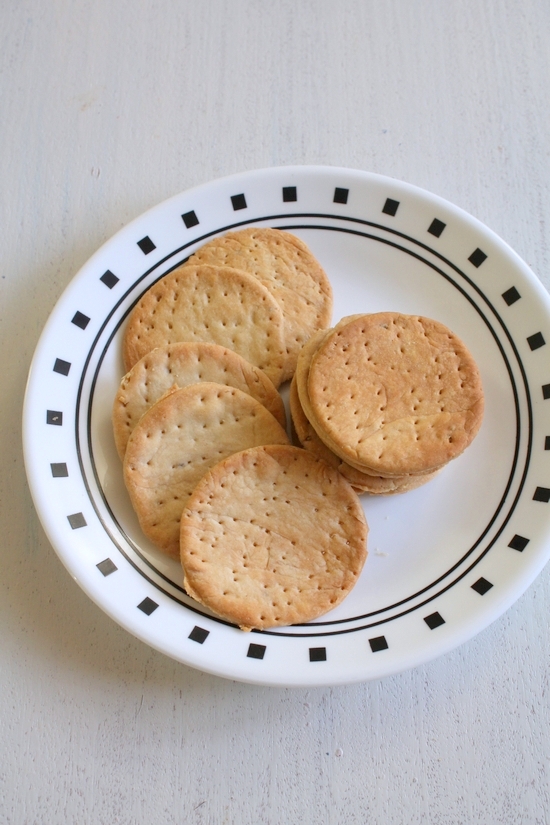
(370, 231)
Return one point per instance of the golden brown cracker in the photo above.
(209, 303)
(395, 393)
(272, 536)
(349, 466)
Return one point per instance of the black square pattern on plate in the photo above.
(436, 227)
(547, 442)
(477, 257)
(378, 643)
(190, 219)
(434, 620)
(481, 586)
(536, 341)
(238, 201)
(146, 245)
(80, 320)
(256, 651)
(511, 296)
(290, 194)
(54, 417)
(199, 634)
(542, 494)
(107, 566)
(61, 366)
(147, 606)
(59, 470)
(390, 207)
(109, 279)
(340, 195)
(546, 391)
(317, 654)
(77, 520)
(519, 543)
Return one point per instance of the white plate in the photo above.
(445, 560)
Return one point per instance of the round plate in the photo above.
(444, 560)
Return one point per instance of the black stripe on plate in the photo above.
(340, 195)
(536, 341)
(436, 227)
(147, 606)
(80, 320)
(542, 494)
(477, 257)
(481, 586)
(239, 202)
(518, 543)
(198, 634)
(434, 620)
(378, 643)
(61, 366)
(256, 651)
(146, 245)
(106, 567)
(511, 296)
(390, 207)
(77, 520)
(109, 279)
(190, 219)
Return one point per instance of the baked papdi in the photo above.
(216, 304)
(394, 394)
(285, 266)
(179, 365)
(178, 440)
(272, 536)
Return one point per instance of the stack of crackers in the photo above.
(386, 398)
(267, 534)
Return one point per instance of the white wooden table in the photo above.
(107, 109)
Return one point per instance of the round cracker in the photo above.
(178, 365)
(284, 264)
(209, 303)
(395, 393)
(178, 440)
(397, 482)
(361, 482)
(272, 536)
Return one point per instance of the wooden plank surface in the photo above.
(108, 108)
